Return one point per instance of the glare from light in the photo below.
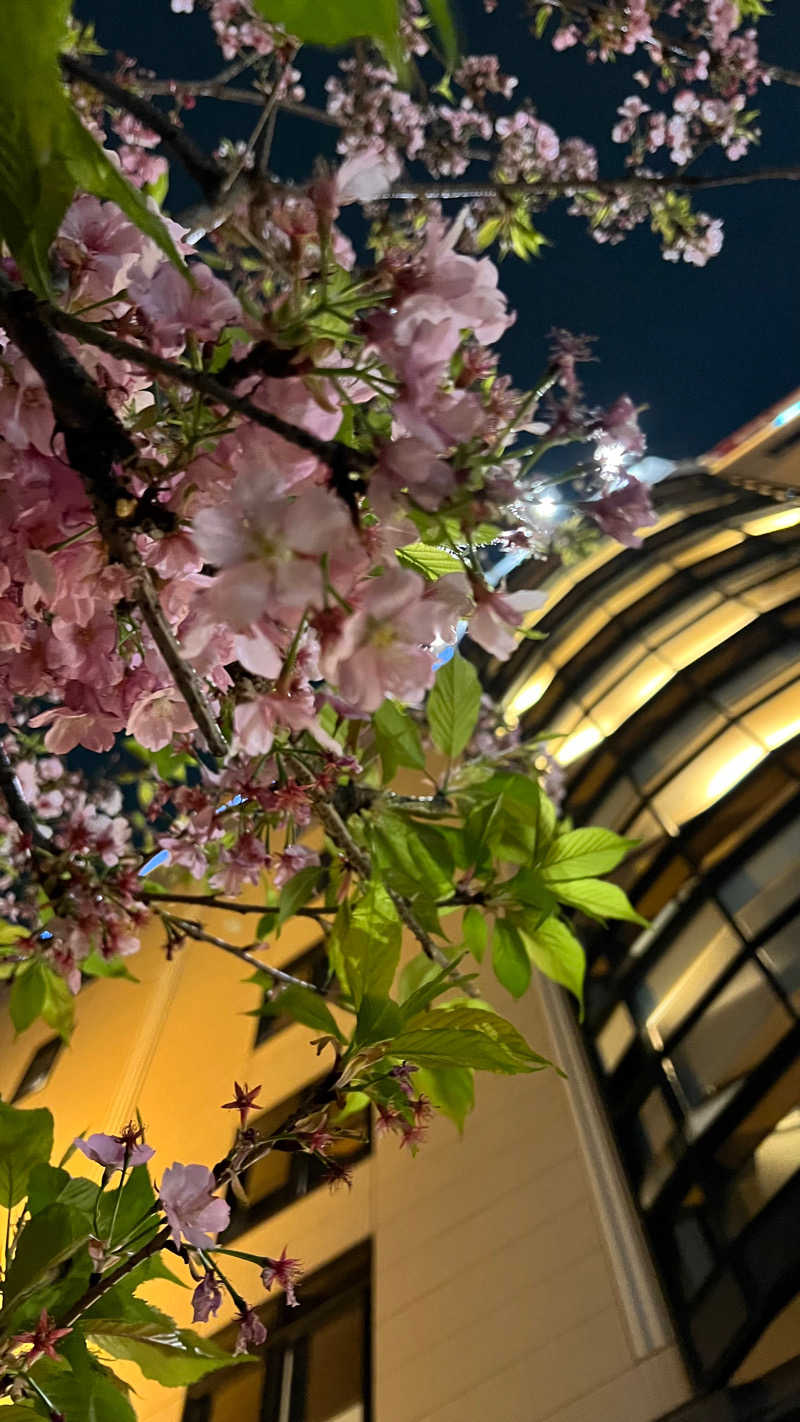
(527, 696)
(578, 744)
(784, 518)
(546, 507)
(610, 455)
(782, 734)
(733, 771)
(786, 416)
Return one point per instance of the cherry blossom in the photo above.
(192, 1210)
(116, 1152)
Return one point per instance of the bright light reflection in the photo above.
(785, 518)
(786, 416)
(546, 507)
(578, 744)
(781, 734)
(527, 696)
(610, 456)
(733, 771)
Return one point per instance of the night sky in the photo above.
(706, 349)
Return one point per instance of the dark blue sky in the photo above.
(705, 349)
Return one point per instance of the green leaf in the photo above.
(297, 892)
(510, 960)
(430, 561)
(397, 739)
(368, 935)
(475, 931)
(137, 1199)
(174, 1357)
(49, 1183)
(26, 1139)
(585, 853)
(305, 1006)
(468, 1037)
(442, 17)
(334, 22)
(96, 966)
(599, 899)
(558, 954)
(45, 151)
(46, 1243)
(414, 858)
(39, 991)
(84, 1389)
(379, 1020)
(450, 1089)
(528, 888)
(453, 705)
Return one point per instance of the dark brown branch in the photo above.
(96, 444)
(17, 806)
(102, 1286)
(230, 905)
(341, 460)
(209, 175)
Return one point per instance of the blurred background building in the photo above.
(611, 1247)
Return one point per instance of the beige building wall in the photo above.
(495, 1291)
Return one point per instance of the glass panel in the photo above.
(614, 668)
(615, 1038)
(694, 1253)
(238, 1398)
(688, 611)
(781, 955)
(707, 632)
(704, 547)
(618, 805)
(657, 1123)
(766, 882)
(710, 776)
(737, 1030)
(684, 737)
(773, 1162)
(309, 967)
(771, 670)
(638, 687)
(273, 1171)
(689, 966)
(777, 719)
(335, 1380)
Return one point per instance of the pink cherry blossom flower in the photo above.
(192, 1209)
(622, 512)
(291, 861)
(99, 247)
(285, 1272)
(95, 730)
(173, 307)
(381, 649)
(115, 1152)
(252, 1333)
(366, 176)
(497, 617)
(157, 717)
(243, 863)
(206, 1299)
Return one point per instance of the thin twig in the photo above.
(231, 905)
(18, 807)
(102, 1286)
(571, 187)
(192, 929)
(205, 171)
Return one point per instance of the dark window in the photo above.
(277, 1179)
(39, 1068)
(315, 1365)
(311, 966)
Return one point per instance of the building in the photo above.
(670, 678)
(591, 1250)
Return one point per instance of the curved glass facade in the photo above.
(671, 679)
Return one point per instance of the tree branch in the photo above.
(17, 806)
(192, 929)
(209, 175)
(96, 445)
(102, 1286)
(564, 187)
(231, 905)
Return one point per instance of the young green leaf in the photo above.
(510, 960)
(86, 1389)
(598, 899)
(333, 24)
(557, 953)
(304, 1006)
(450, 1089)
(46, 1243)
(584, 853)
(469, 1037)
(365, 945)
(397, 738)
(26, 1139)
(297, 892)
(174, 1357)
(453, 705)
(39, 991)
(475, 931)
(430, 561)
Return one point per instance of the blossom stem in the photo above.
(213, 1266)
(17, 805)
(118, 1199)
(102, 1286)
(40, 1392)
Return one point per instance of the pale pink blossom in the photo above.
(174, 307)
(290, 862)
(193, 1212)
(243, 863)
(366, 176)
(623, 511)
(157, 717)
(497, 617)
(114, 1152)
